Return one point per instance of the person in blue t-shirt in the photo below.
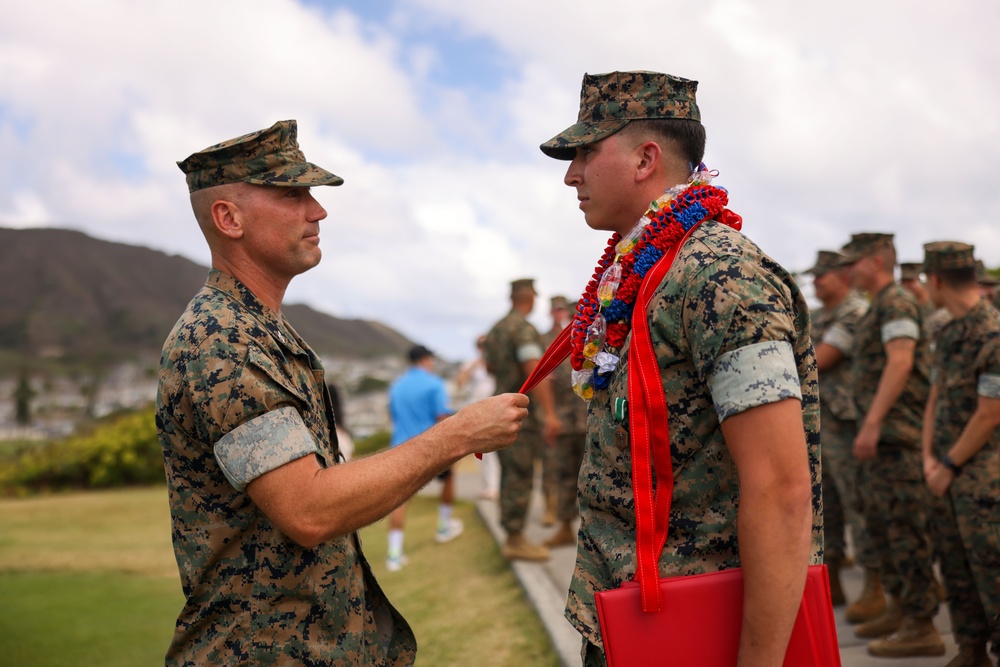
(418, 400)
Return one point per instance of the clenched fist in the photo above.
(490, 424)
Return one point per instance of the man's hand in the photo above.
(490, 424)
(938, 478)
(866, 444)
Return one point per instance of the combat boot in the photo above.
(885, 623)
(971, 655)
(518, 548)
(871, 603)
(917, 636)
(549, 517)
(565, 536)
(836, 590)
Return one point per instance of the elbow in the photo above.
(304, 533)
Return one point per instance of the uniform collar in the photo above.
(272, 322)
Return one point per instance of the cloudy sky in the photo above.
(823, 120)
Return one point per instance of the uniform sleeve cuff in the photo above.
(529, 352)
(839, 337)
(263, 444)
(989, 385)
(900, 329)
(754, 375)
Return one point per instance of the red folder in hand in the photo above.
(699, 624)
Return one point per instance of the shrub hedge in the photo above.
(121, 451)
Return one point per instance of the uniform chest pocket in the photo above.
(263, 385)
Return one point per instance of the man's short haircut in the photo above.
(688, 136)
(419, 353)
(888, 255)
(957, 278)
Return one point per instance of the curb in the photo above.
(548, 601)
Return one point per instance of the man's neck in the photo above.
(960, 302)
(879, 282)
(267, 289)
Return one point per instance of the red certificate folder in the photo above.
(699, 624)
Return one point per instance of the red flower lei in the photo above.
(666, 227)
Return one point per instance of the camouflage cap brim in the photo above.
(563, 146)
(302, 174)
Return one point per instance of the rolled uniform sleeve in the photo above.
(741, 327)
(838, 336)
(254, 410)
(757, 374)
(263, 444)
(989, 385)
(901, 328)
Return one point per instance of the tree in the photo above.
(22, 398)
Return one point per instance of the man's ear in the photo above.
(227, 218)
(649, 156)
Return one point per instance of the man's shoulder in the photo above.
(717, 257)
(850, 310)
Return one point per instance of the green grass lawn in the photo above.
(89, 579)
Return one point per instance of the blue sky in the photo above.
(823, 120)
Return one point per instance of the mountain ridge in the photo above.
(70, 298)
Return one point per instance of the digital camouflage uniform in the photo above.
(896, 509)
(730, 330)
(967, 524)
(842, 503)
(564, 459)
(511, 342)
(241, 394)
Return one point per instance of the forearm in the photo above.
(890, 388)
(312, 504)
(775, 533)
(774, 524)
(975, 435)
(348, 497)
(927, 434)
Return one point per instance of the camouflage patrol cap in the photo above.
(609, 101)
(265, 157)
(864, 244)
(560, 303)
(522, 285)
(944, 255)
(910, 270)
(826, 261)
(982, 275)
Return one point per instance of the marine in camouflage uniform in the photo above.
(730, 330)
(896, 513)
(512, 347)
(833, 330)
(247, 431)
(563, 460)
(965, 395)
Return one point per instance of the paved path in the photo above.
(546, 584)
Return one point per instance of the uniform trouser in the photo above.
(967, 540)
(897, 509)
(592, 655)
(517, 476)
(562, 470)
(842, 497)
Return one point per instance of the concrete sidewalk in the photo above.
(546, 584)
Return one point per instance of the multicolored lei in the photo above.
(604, 316)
